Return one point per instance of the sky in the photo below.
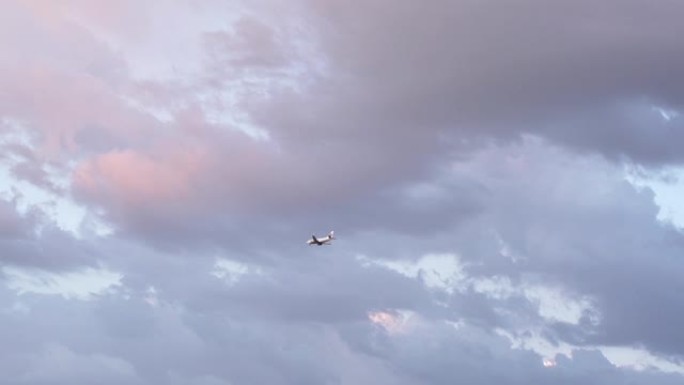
(504, 178)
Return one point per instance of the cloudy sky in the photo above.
(503, 178)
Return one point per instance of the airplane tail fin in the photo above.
(331, 234)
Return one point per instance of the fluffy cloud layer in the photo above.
(470, 156)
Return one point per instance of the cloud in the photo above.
(30, 239)
(471, 69)
(58, 364)
(469, 155)
(581, 231)
(127, 337)
(399, 109)
(438, 86)
(82, 285)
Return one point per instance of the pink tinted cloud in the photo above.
(57, 107)
(136, 179)
(58, 80)
(182, 165)
(208, 171)
(195, 169)
(72, 91)
(119, 16)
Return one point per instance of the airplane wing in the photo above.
(316, 241)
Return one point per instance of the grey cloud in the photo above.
(178, 344)
(12, 223)
(411, 72)
(439, 354)
(33, 240)
(57, 364)
(406, 140)
(572, 222)
(251, 45)
(389, 112)
(319, 291)
(177, 340)
(578, 223)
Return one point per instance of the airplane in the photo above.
(322, 241)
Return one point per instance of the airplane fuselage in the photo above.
(321, 241)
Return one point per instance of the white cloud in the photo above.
(66, 214)
(668, 188)
(436, 271)
(82, 285)
(556, 305)
(640, 359)
(232, 271)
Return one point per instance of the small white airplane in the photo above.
(321, 241)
